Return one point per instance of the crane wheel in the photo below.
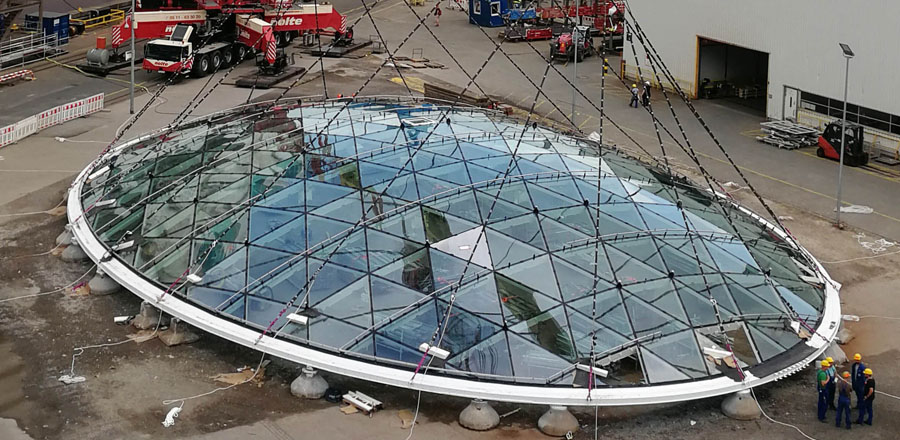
(201, 66)
(215, 61)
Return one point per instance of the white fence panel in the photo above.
(48, 118)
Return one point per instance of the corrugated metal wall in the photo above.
(800, 36)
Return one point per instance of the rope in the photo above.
(19, 257)
(776, 421)
(21, 214)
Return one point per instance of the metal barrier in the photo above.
(878, 142)
(57, 115)
(88, 23)
(28, 49)
(24, 73)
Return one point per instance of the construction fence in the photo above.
(48, 118)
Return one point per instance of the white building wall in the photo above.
(800, 36)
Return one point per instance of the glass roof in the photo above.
(386, 223)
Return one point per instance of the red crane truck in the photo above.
(201, 37)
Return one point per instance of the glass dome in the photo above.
(382, 223)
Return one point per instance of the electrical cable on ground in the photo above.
(49, 292)
(21, 214)
(776, 421)
(870, 257)
(20, 257)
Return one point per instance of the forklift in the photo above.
(830, 144)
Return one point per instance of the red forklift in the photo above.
(830, 144)
(564, 45)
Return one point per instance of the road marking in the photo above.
(864, 171)
(752, 133)
(589, 117)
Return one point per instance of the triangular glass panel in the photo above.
(519, 302)
(648, 320)
(325, 280)
(372, 174)
(284, 283)
(289, 237)
(583, 330)
(537, 274)
(413, 327)
(506, 251)
(499, 209)
(469, 246)
(454, 174)
(478, 297)
(753, 295)
(177, 225)
(332, 332)
(322, 230)
(425, 160)
(732, 257)
(320, 194)
(575, 283)
(532, 363)
(211, 298)
(660, 294)
(263, 220)
(576, 217)
(448, 270)
(630, 269)
(590, 257)
(545, 199)
(412, 271)
(388, 299)
(460, 204)
(262, 312)
(439, 225)
(384, 248)
(349, 251)
(491, 356)
(283, 193)
(347, 208)
(680, 350)
(170, 263)
(429, 186)
(482, 176)
(263, 262)
(660, 371)
(464, 329)
(406, 223)
(606, 309)
(559, 235)
(549, 330)
(402, 187)
(351, 304)
(727, 308)
(224, 188)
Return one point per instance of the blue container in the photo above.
(54, 23)
(487, 13)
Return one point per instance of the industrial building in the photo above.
(781, 58)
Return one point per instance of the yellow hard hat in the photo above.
(857, 357)
(829, 359)
(867, 371)
(846, 375)
(634, 85)
(825, 363)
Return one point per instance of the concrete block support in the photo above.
(178, 333)
(65, 237)
(148, 318)
(102, 284)
(557, 422)
(479, 416)
(741, 406)
(309, 384)
(73, 252)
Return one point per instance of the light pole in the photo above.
(575, 66)
(131, 86)
(848, 54)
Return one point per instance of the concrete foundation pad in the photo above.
(835, 352)
(178, 333)
(558, 422)
(741, 406)
(309, 384)
(479, 416)
(101, 284)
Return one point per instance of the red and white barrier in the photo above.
(48, 118)
(18, 74)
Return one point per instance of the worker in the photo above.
(865, 405)
(856, 373)
(845, 388)
(645, 97)
(437, 14)
(821, 383)
(832, 383)
(634, 96)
